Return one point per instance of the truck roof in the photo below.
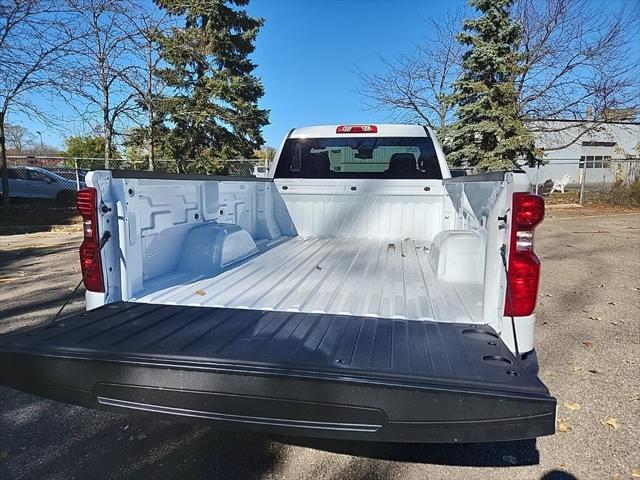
(383, 130)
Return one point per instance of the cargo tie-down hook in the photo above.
(504, 219)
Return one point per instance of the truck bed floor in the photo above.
(362, 277)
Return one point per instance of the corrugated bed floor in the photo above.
(363, 277)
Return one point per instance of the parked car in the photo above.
(362, 293)
(71, 173)
(38, 183)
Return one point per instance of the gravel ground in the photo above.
(588, 345)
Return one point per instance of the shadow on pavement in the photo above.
(496, 454)
(57, 441)
(558, 475)
(36, 216)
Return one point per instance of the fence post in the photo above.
(75, 163)
(537, 175)
(583, 178)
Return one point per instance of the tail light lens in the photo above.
(524, 266)
(86, 202)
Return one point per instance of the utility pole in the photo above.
(583, 179)
(41, 144)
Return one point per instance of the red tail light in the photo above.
(357, 129)
(86, 202)
(528, 210)
(524, 266)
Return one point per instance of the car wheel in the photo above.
(65, 197)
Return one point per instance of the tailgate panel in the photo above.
(291, 373)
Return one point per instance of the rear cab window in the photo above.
(359, 157)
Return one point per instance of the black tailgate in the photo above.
(292, 373)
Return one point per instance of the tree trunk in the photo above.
(5, 173)
(107, 146)
(152, 141)
(108, 133)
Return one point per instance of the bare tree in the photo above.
(18, 137)
(102, 54)
(142, 77)
(33, 45)
(576, 63)
(416, 87)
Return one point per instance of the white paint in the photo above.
(414, 249)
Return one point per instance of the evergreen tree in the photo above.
(213, 110)
(488, 133)
(87, 146)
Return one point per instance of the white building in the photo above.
(573, 147)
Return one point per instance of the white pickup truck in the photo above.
(357, 292)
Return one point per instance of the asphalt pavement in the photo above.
(588, 344)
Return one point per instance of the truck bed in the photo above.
(334, 376)
(363, 277)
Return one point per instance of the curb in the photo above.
(562, 206)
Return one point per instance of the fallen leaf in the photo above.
(612, 303)
(572, 406)
(142, 436)
(200, 292)
(126, 427)
(595, 318)
(548, 295)
(318, 267)
(510, 459)
(587, 343)
(391, 246)
(592, 371)
(563, 427)
(612, 423)
(616, 323)
(403, 255)
(635, 473)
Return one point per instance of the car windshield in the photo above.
(359, 157)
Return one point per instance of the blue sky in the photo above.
(306, 53)
(307, 50)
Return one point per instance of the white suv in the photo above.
(36, 182)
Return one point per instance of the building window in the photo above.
(595, 161)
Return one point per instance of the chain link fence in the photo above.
(578, 180)
(563, 180)
(75, 169)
